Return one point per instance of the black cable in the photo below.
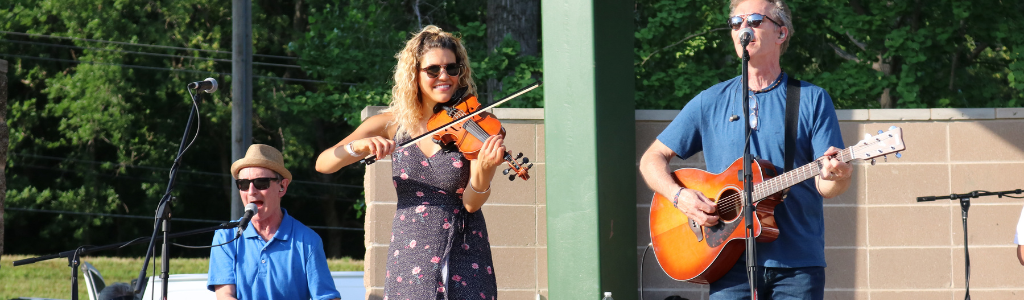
(162, 169)
(165, 69)
(113, 50)
(104, 215)
(642, 259)
(293, 191)
(204, 247)
(140, 45)
(145, 53)
(199, 121)
(967, 265)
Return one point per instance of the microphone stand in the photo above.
(163, 214)
(965, 204)
(73, 255)
(748, 180)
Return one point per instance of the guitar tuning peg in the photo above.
(899, 155)
(872, 161)
(880, 132)
(519, 156)
(529, 166)
(505, 172)
(512, 177)
(526, 160)
(892, 127)
(885, 158)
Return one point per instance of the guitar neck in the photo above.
(779, 183)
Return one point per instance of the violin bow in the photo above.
(373, 158)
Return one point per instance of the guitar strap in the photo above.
(792, 118)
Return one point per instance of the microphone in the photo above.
(209, 85)
(250, 210)
(746, 35)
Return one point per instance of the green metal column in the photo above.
(590, 148)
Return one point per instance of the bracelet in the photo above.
(675, 200)
(475, 191)
(348, 147)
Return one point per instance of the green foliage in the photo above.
(905, 47)
(352, 47)
(99, 135)
(95, 126)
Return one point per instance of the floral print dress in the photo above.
(438, 250)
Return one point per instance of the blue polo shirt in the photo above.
(704, 125)
(292, 265)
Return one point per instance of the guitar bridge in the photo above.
(696, 230)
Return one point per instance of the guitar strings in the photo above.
(730, 202)
(781, 182)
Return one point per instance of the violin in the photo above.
(457, 111)
(469, 135)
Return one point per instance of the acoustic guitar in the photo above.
(698, 254)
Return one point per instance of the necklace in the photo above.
(771, 86)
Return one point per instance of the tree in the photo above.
(95, 124)
(517, 20)
(3, 147)
(866, 54)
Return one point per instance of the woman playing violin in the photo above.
(439, 245)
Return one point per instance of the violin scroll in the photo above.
(519, 168)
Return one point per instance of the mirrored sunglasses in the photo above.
(258, 183)
(753, 112)
(453, 69)
(753, 20)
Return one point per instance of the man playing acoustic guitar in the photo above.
(791, 267)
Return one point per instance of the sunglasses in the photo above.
(453, 69)
(753, 112)
(258, 183)
(753, 20)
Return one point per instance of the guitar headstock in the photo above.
(880, 145)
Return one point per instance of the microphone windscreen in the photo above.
(746, 34)
(251, 206)
(213, 85)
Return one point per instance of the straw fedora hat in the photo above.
(260, 155)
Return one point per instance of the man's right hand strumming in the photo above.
(654, 169)
(696, 206)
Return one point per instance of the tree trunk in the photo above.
(520, 19)
(3, 147)
(884, 65)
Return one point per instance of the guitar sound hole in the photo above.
(729, 205)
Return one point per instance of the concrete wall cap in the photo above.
(890, 114)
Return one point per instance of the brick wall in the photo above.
(880, 242)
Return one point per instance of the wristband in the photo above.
(475, 191)
(675, 200)
(348, 147)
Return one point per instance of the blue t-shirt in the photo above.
(292, 265)
(704, 125)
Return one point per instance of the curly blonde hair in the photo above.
(406, 103)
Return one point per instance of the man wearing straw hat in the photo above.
(276, 256)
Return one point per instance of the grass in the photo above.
(51, 278)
